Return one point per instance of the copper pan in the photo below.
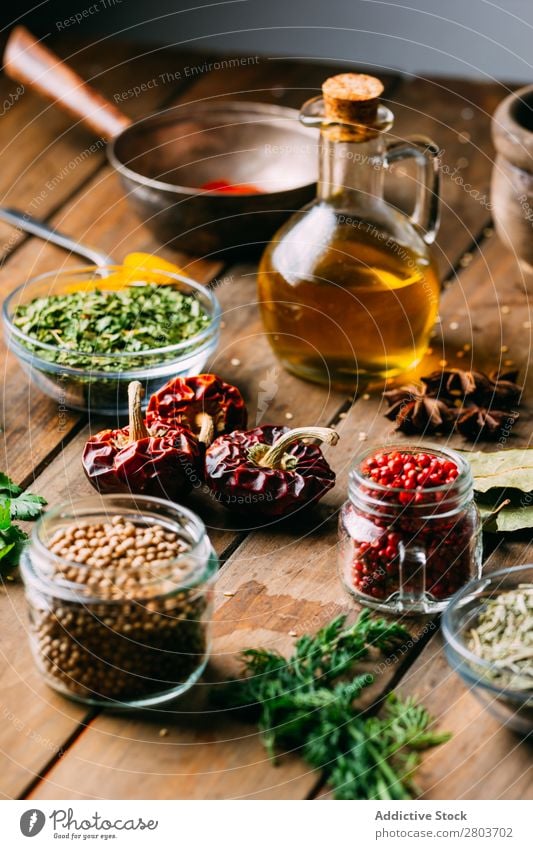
(164, 159)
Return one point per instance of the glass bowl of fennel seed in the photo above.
(488, 632)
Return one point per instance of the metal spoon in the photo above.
(25, 222)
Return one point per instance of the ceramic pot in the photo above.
(512, 175)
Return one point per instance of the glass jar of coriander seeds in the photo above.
(410, 533)
(120, 594)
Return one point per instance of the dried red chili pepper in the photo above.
(205, 404)
(269, 471)
(161, 460)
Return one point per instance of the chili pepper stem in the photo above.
(207, 428)
(138, 429)
(275, 456)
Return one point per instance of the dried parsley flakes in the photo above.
(96, 322)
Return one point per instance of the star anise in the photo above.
(458, 386)
(414, 411)
(482, 423)
(453, 398)
(506, 391)
(450, 384)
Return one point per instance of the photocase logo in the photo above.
(32, 822)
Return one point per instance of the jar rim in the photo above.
(443, 499)
(94, 506)
(465, 472)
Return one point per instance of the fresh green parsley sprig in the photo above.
(15, 504)
(307, 703)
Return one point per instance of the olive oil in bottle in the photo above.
(348, 288)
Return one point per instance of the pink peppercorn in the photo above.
(410, 531)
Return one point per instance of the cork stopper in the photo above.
(352, 98)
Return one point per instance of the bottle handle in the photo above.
(426, 155)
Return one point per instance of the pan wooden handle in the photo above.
(27, 61)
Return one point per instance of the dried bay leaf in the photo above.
(506, 520)
(511, 468)
(499, 476)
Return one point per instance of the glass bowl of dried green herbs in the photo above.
(83, 334)
(488, 632)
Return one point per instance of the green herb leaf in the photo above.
(14, 504)
(27, 506)
(5, 513)
(7, 486)
(12, 541)
(24, 507)
(307, 703)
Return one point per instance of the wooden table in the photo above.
(270, 585)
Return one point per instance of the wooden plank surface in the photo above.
(240, 363)
(280, 585)
(456, 115)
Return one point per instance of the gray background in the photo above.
(477, 38)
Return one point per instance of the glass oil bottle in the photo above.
(348, 288)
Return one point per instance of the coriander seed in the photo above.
(112, 625)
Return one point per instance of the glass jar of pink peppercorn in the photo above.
(410, 533)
